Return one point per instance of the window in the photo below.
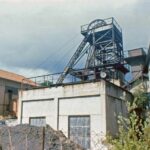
(9, 106)
(11, 93)
(79, 130)
(37, 121)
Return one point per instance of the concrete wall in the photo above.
(2, 96)
(115, 106)
(45, 108)
(93, 106)
(99, 100)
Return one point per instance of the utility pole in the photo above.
(43, 139)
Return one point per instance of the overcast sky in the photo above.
(39, 36)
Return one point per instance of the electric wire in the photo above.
(62, 61)
(56, 52)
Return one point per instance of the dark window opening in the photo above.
(10, 94)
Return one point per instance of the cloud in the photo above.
(27, 72)
(41, 34)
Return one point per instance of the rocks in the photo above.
(26, 137)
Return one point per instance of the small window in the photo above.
(37, 121)
(9, 105)
(79, 130)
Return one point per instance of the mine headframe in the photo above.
(103, 46)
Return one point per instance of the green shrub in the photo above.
(134, 131)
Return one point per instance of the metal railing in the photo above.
(108, 21)
(49, 80)
(76, 76)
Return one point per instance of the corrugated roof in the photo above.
(14, 77)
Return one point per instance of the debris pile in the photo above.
(26, 137)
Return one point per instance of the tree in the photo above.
(47, 83)
(134, 131)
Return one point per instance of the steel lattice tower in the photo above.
(104, 48)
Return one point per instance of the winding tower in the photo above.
(103, 46)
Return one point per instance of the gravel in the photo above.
(26, 137)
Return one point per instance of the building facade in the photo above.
(10, 84)
(85, 112)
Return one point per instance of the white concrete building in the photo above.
(85, 112)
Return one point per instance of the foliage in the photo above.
(46, 83)
(134, 131)
(140, 100)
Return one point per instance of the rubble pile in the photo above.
(26, 137)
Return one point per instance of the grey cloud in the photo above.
(30, 32)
